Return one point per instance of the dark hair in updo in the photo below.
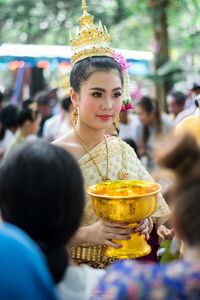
(182, 155)
(83, 69)
(26, 113)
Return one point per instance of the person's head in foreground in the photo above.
(179, 279)
(41, 191)
(23, 272)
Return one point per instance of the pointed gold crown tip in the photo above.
(90, 40)
(84, 5)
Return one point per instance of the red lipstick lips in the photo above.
(104, 117)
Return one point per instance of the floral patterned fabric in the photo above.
(131, 280)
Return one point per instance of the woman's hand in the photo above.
(143, 228)
(103, 232)
(165, 233)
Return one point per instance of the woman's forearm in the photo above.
(160, 221)
(80, 237)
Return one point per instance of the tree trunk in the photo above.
(158, 13)
(120, 14)
(1, 28)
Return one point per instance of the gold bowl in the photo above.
(125, 201)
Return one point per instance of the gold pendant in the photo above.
(123, 175)
(105, 178)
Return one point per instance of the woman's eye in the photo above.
(117, 95)
(97, 95)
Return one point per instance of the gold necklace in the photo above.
(123, 174)
(104, 178)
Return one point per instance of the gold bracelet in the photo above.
(150, 225)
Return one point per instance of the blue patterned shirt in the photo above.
(132, 280)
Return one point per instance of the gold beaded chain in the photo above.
(104, 178)
(123, 174)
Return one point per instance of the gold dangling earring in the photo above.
(117, 123)
(74, 116)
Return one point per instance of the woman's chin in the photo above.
(105, 124)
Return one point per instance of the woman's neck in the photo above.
(152, 122)
(24, 132)
(90, 136)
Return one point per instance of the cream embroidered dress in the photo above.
(121, 158)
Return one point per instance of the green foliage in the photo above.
(129, 22)
(184, 29)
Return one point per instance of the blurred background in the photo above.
(161, 36)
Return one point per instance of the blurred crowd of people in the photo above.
(147, 125)
(50, 217)
(36, 117)
(48, 117)
(63, 238)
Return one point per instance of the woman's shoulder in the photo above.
(166, 122)
(116, 141)
(64, 138)
(119, 147)
(65, 141)
(68, 143)
(125, 146)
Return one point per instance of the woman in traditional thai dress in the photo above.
(99, 91)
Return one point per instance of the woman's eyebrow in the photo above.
(98, 89)
(103, 90)
(117, 88)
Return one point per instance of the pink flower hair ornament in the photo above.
(126, 106)
(126, 99)
(121, 61)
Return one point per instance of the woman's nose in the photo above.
(106, 103)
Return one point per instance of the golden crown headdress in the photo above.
(91, 40)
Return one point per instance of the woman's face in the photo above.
(144, 117)
(99, 100)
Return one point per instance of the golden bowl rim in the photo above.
(126, 197)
